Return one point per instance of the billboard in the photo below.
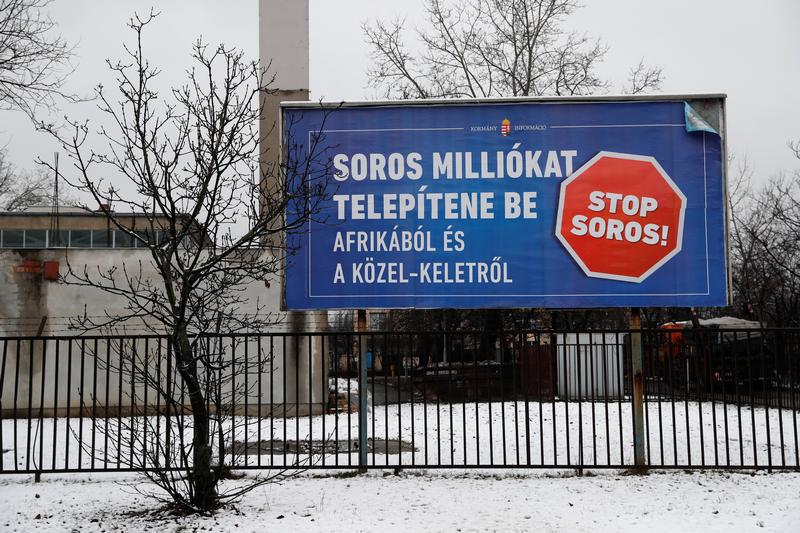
(588, 202)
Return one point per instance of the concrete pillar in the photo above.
(283, 53)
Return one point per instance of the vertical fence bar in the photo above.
(447, 351)
(285, 401)
(107, 397)
(525, 386)
(567, 396)
(119, 400)
(412, 389)
(2, 416)
(618, 378)
(297, 397)
(671, 383)
(686, 391)
(168, 401)
(69, 404)
(337, 370)
(736, 378)
(385, 366)
(55, 404)
(271, 362)
(133, 412)
(700, 385)
(370, 343)
(777, 374)
(655, 378)
(503, 404)
(477, 406)
(362, 401)
(159, 394)
(28, 445)
(310, 398)
(324, 390)
(515, 383)
(580, 396)
(399, 369)
(81, 404)
(723, 384)
(762, 357)
(350, 352)
(15, 406)
(145, 401)
(371, 350)
(489, 401)
(706, 344)
(592, 387)
(40, 421)
(425, 403)
(94, 400)
(793, 387)
(539, 366)
(606, 399)
(463, 396)
(246, 371)
(556, 392)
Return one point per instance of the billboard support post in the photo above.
(637, 374)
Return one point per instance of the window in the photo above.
(102, 238)
(80, 238)
(36, 238)
(123, 240)
(13, 238)
(58, 239)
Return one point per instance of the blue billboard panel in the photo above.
(547, 204)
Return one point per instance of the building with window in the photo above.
(37, 244)
(38, 228)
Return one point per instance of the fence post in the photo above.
(638, 387)
(362, 391)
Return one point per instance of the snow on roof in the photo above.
(723, 322)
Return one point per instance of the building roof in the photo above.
(67, 211)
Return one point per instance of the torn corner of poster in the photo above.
(695, 122)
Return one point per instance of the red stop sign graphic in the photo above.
(620, 216)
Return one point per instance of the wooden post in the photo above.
(638, 387)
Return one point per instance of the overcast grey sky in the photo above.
(749, 50)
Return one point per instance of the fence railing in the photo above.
(523, 399)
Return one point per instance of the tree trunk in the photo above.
(202, 478)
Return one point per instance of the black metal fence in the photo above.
(712, 398)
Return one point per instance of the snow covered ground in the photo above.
(427, 501)
(475, 500)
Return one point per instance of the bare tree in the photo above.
(214, 225)
(493, 48)
(19, 190)
(765, 248)
(34, 60)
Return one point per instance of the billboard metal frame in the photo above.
(691, 98)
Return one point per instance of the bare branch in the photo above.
(34, 60)
(485, 48)
(643, 79)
